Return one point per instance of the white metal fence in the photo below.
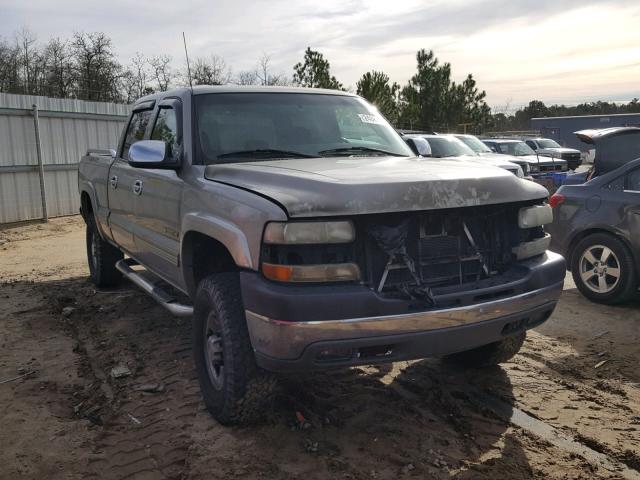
(67, 128)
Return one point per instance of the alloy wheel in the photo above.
(599, 269)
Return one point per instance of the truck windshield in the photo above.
(446, 146)
(548, 143)
(517, 149)
(474, 144)
(246, 127)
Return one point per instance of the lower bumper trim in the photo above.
(288, 340)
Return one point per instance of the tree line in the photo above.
(86, 67)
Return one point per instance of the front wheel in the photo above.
(491, 354)
(102, 258)
(603, 269)
(235, 390)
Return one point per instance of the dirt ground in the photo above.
(557, 411)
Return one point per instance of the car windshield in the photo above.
(548, 143)
(515, 148)
(246, 127)
(474, 144)
(447, 147)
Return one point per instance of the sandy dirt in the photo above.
(68, 418)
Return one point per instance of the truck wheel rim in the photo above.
(599, 269)
(214, 353)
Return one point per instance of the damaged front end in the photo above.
(426, 255)
(424, 258)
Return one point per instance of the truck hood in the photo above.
(317, 187)
(494, 159)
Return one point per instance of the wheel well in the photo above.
(203, 256)
(579, 236)
(85, 205)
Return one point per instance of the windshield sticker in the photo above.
(367, 118)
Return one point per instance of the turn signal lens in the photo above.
(339, 272)
(556, 199)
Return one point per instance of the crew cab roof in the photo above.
(205, 89)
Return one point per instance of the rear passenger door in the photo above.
(158, 199)
(631, 208)
(121, 179)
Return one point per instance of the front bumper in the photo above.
(351, 335)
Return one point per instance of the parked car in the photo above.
(551, 148)
(448, 146)
(613, 148)
(475, 144)
(596, 227)
(305, 235)
(537, 163)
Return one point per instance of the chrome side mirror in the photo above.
(152, 154)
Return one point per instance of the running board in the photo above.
(158, 294)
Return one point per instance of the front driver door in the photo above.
(121, 181)
(158, 196)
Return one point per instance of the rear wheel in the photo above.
(102, 258)
(491, 354)
(234, 388)
(603, 269)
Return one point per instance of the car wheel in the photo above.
(491, 354)
(102, 258)
(603, 269)
(235, 390)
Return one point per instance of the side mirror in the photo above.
(419, 146)
(152, 154)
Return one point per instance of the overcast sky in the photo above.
(557, 51)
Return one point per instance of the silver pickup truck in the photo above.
(300, 232)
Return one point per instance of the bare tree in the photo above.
(98, 72)
(9, 68)
(162, 71)
(212, 71)
(247, 77)
(60, 76)
(264, 74)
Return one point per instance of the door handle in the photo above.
(114, 181)
(137, 187)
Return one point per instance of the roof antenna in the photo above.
(186, 54)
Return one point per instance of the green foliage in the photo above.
(314, 72)
(432, 101)
(521, 119)
(375, 87)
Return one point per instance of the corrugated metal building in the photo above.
(67, 129)
(561, 128)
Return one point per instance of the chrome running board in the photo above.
(154, 291)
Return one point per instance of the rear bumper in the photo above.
(352, 339)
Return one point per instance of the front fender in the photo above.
(225, 232)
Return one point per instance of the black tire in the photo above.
(235, 390)
(614, 291)
(102, 258)
(491, 354)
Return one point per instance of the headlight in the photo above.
(519, 173)
(304, 233)
(535, 216)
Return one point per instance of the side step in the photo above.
(158, 294)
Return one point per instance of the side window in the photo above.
(633, 180)
(532, 144)
(135, 131)
(166, 128)
(616, 185)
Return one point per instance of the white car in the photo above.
(551, 148)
